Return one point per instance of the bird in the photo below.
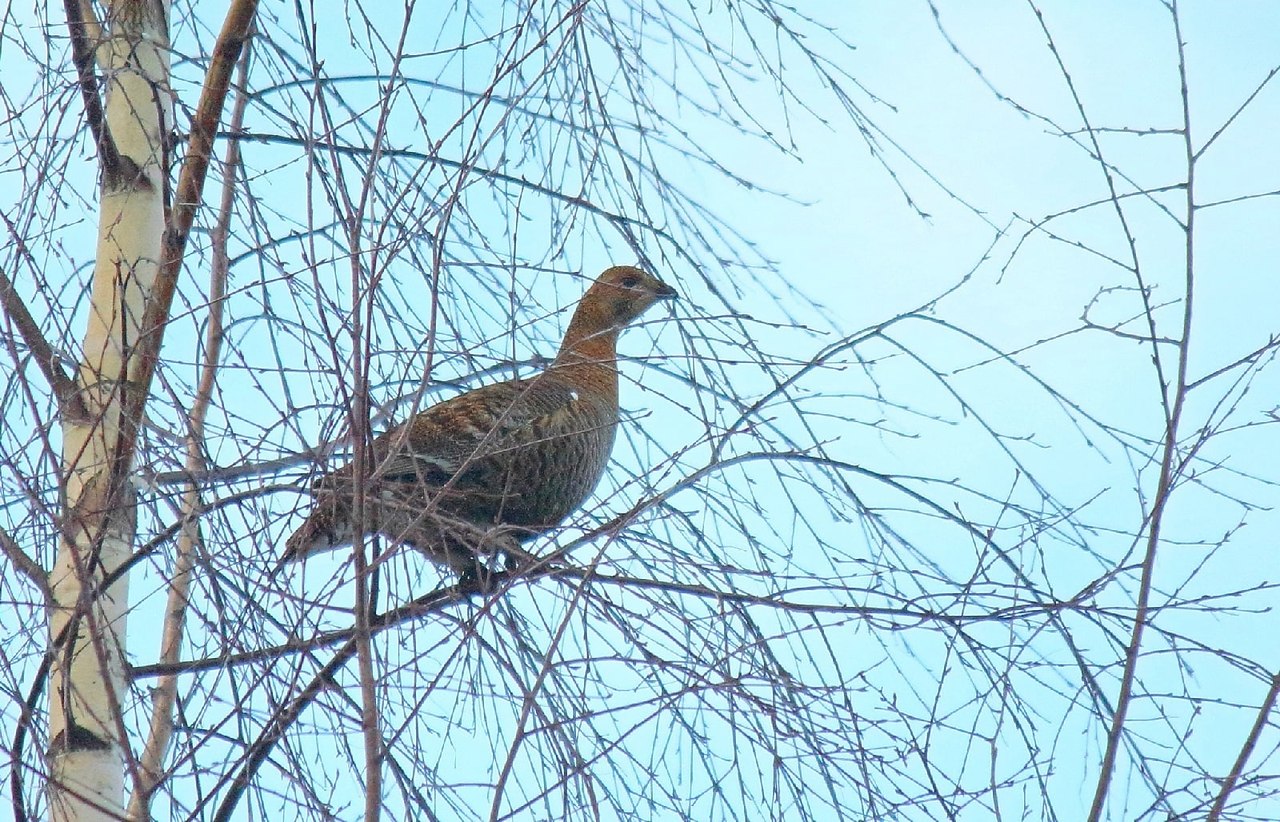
(496, 466)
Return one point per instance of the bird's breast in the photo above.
(562, 465)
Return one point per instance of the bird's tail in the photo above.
(322, 531)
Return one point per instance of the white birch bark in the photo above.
(89, 753)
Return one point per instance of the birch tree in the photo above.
(142, 231)
(88, 618)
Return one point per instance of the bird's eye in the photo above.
(630, 281)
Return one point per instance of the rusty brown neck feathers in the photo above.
(588, 355)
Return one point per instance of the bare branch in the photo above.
(1250, 742)
(24, 564)
(84, 31)
(1170, 460)
(189, 193)
(165, 692)
(50, 364)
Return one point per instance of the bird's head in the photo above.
(621, 294)
(614, 301)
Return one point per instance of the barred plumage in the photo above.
(503, 462)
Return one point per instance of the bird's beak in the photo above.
(666, 292)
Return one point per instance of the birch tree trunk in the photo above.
(89, 750)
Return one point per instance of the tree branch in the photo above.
(1229, 784)
(165, 693)
(83, 29)
(226, 52)
(190, 190)
(50, 364)
(1174, 395)
(25, 565)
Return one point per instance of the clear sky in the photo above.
(857, 248)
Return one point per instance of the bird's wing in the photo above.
(463, 436)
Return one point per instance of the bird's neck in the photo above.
(589, 359)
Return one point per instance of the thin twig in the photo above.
(1170, 462)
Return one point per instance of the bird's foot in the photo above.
(480, 578)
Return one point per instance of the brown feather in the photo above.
(499, 464)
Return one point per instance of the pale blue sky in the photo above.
(860, 251)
